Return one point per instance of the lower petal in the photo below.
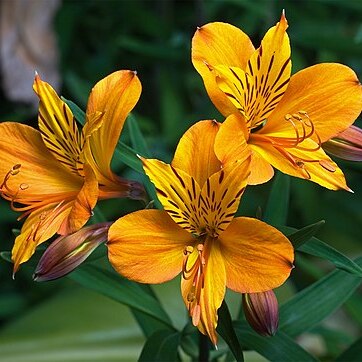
(257, 257)
(38, 227)
(314, 165)
(147, 246)
(212, 293)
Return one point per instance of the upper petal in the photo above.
(219, 43)
(195, 151)
(147, 246)
(330, 94)
(257, 257)
(114, 97)
(177, 191)
(58, 127)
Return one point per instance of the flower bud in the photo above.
(347, 145)
(261, 311)
(67, 252)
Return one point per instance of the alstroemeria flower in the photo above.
(284, 119)
(197, 235)
(55, 176)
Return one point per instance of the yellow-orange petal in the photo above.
(330, 93)
(257, 257)
(40, 174)
(38, 227)
(58, 127)
(114, 97)
(177, 191)
(315, 165)
(147, 246)
(83, 205)
(220, 196)
(212, 294)
(195, 151)
(219, 43)
(231, 140)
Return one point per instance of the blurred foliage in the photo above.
(154, 38)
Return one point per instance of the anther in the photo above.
(327, 165)
(23, 186)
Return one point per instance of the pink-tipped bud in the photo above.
(261, 311)
(67, 252)
(347, 145)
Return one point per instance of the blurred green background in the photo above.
(60, 321)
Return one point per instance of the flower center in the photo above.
(195, 274)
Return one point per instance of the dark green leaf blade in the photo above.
(314, 303)
(138, 141)
(301, 236)
(278, 202)
(226, 330)
(316, 247)
(353, 353)
(161, 346)
(278, 348)
(122, 290)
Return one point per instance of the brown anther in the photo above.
(299, 163)
(297, 116)
(327, 165)
(304, 113)
(287, 117)
(188, 250)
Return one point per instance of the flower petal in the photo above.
(39, 172)
(58, 127)
(231, 145)
(147, 246)
(330, 94)
(114, 97)
(40, 226)
(212, 293)
(177, 191)
(220, 195)
(83, 205)
(219, 43)
(257, 256)
(195, 152)
(313, 165)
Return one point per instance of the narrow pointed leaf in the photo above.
(314, 303)
(304, 241)
(278, 348)
(276, 211)
(226, 330)
(301, 236)
(122, 290)
(138, 141)
(161, 346)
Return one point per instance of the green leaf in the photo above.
(314, 303)
(122, 290)
(299, 237)
(78, 113)
(226, 330)
(161, 346)
(276, 211)
(318, 248)
(353, 353)
(138, 141)
(278, 348)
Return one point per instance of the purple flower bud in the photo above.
(261, 311)
(347, 145)
(67, 252)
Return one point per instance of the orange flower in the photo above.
(56, 175)
(284, 119)
(197, 235)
